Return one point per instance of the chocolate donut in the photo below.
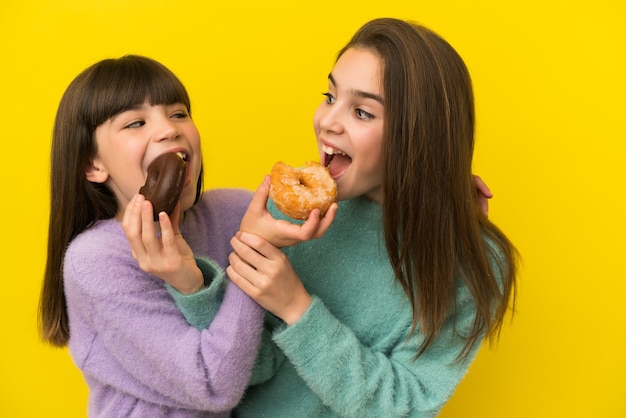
(165, 181)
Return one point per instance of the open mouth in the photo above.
(183, 156)
(335, 160)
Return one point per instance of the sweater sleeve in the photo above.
(372, 383)
(197, 309)
(129, 338)
(200, 308)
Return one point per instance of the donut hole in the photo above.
(306, 179)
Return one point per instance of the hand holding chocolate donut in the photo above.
(165, 181)
(297, 191)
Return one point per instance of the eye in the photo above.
(180, 115)
(134, 124)
(330, 99)
(177, 111)
(362, 114)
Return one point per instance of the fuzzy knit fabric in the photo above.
(138, 354)
(350, 355)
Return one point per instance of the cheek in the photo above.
(372, 150)
(193, 135)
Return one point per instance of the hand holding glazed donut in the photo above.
(281, 233)
(297, 191)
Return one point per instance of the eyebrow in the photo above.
(360, 93)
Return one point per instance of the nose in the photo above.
(166, 129)
(328, 118)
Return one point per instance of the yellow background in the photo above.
(550, 91)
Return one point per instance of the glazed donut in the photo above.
(165, 181)
(297, 191)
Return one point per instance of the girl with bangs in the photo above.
(104, 294)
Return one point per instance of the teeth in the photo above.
(332, 151)
(182, 155)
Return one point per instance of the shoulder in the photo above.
(102, 250)
(99, 258)
(220, 206)
(93, 241)
(211, 223)
(224, 201)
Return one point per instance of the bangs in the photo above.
(118, 85)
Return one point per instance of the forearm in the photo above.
(200, 308)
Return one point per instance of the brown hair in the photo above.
(434, 228)
(100, 92)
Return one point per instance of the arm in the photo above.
(148, 350)
(200, 308)
(145, 348)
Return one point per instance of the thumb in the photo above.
(259, 200)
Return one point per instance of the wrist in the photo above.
(205, 273)
(297, 309)
(194, 282)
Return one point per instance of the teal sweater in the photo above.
(350, 355)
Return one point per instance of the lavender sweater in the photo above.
(138, 354)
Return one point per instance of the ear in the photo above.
(95, 172)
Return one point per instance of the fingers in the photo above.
(482, 188)
(256, 217)
(174, 219)
(484, 194)
(240, 270)
(170, 230)
(148, 232)
(243, 267)
(307, 230)
(259, 200)
(316, 226)
(140, 229)
(252, 249)
(132, 225)
(326, 221)
(168, 235)
(484, 204)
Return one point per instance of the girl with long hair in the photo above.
(382, 316)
